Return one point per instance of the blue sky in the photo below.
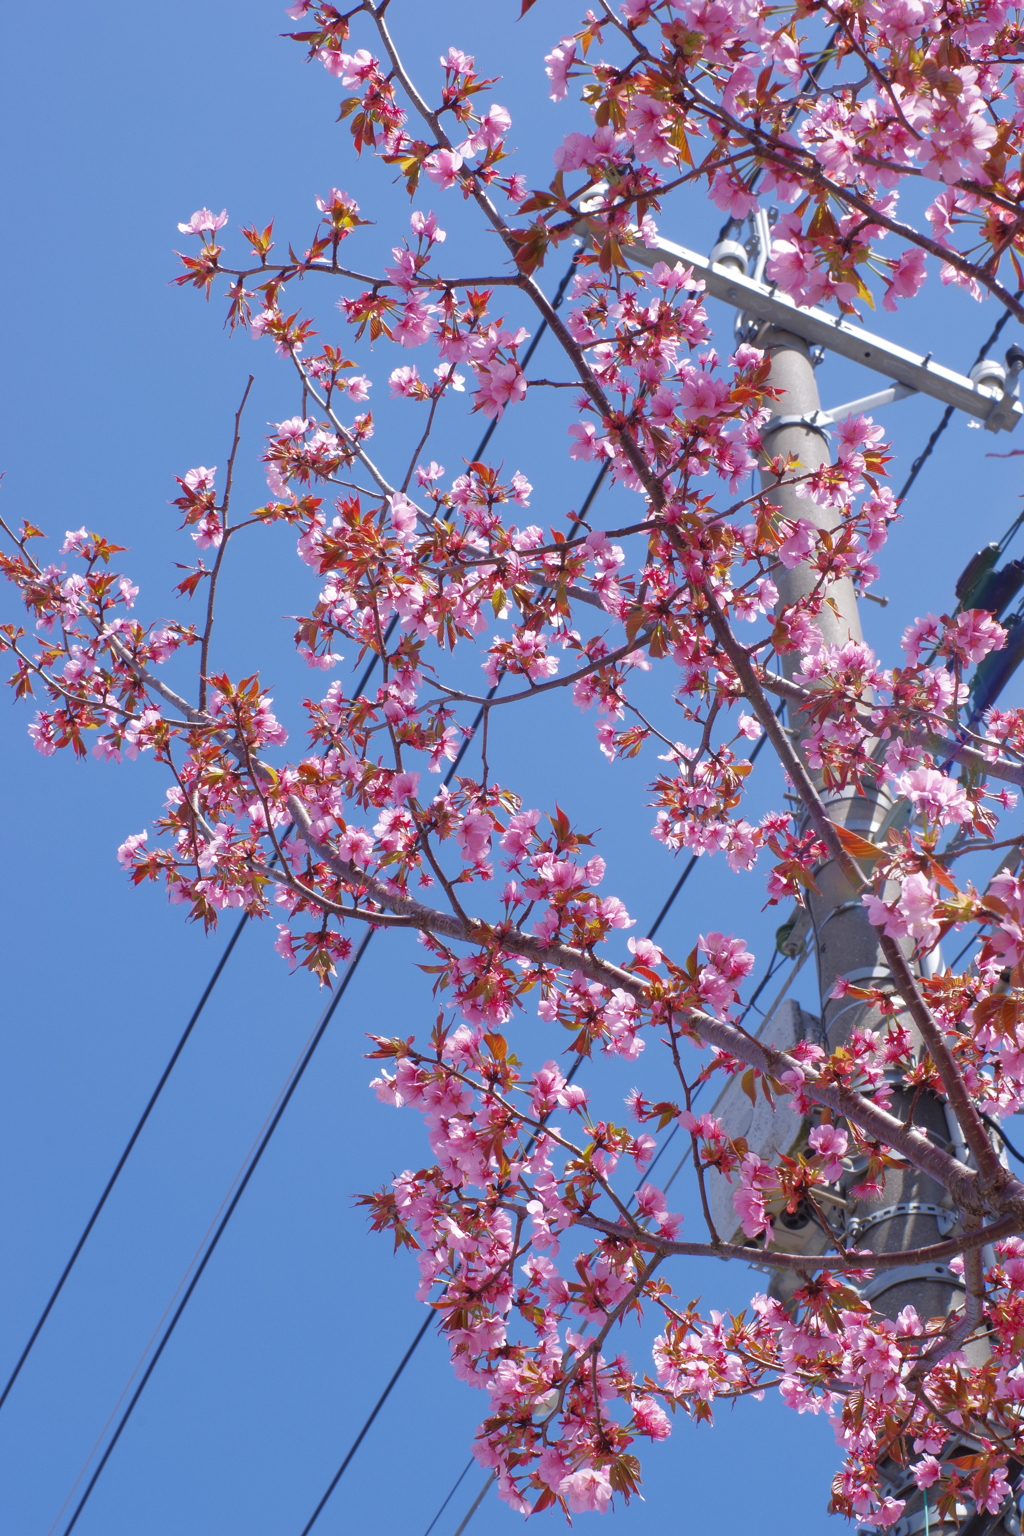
(113, 382)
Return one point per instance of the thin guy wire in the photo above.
(275, 1122)
(133, 1138)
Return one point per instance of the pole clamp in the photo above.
(945, 1218)
(815, 422)
(888, 1278)
(846, 906)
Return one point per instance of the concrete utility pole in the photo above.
(913, 1210)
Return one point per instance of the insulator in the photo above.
(989, 377)
(729, 253)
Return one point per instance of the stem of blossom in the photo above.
(204, 650)
(612, 657)
(343, 433)
(877, 1123)
(427, 429)
(808, 1263)
(808, 169)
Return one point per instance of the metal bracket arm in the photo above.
(818, 328)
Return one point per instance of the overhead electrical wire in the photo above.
(451, 1493)
(286, 1098)
(777, 960)
(692, 863)
(264, 1142)
(559, 295)
(218, 969)
(947, 415)
(133, 1138)
(915, 470)
(176, 1293)
(772, 968)
(304, 1062)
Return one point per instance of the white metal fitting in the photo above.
(729, 253)
(989, 377)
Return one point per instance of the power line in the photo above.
(301, 1069)
(451, 1492)
(476, 1504)
(769, 973)
(357, 1442)
(133, 1138)
(215, 977)
(306, 1058)
(947, 415)
(420, 1335)
(691, 866)
(463, 749)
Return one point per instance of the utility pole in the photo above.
(912, 1210)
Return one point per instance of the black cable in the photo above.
(133, 1138)
(306, 1058)
(776, 961)
(559, 295)
(994, 1125)
(774, 965)
(463, 749)
(476, 1504)
(451, 1494)
(595, 487)
(947, 414)
(960, 954)
(688, 871)
(926, 452)
(357, 1442)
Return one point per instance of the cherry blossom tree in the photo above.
(529, 1245)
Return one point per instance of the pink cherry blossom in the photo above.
(498, 385)
(557, 65)
(203, 222)
(443, 167)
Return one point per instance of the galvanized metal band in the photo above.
(945, 1218)
(846, 906)
(809, 423)
(890, 1278)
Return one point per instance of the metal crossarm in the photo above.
(999, 411)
